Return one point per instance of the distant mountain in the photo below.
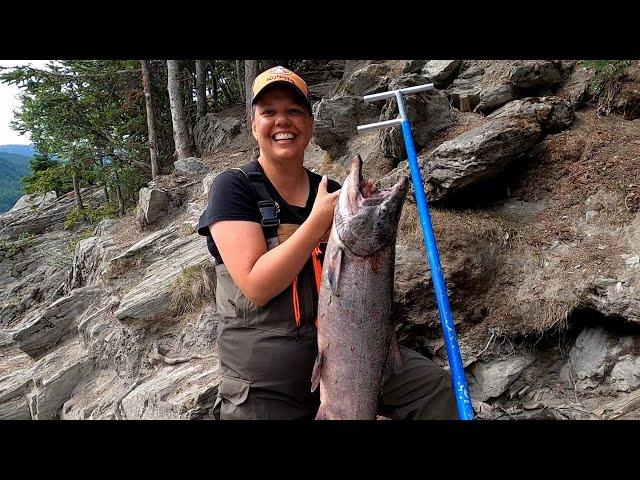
(27, 150)
(13, 167)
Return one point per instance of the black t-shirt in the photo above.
(232, 197)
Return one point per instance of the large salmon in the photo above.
(357, 346)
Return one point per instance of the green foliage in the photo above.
(90, 215)
(83, 112)
(605, 71)
(13, 167)
(56, 177)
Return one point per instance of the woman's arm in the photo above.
(262, 274)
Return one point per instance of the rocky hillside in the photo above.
(533, 173)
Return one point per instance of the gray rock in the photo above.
(90, 259)
(414, 66)
(55, 377)
(152, 203)
(617, 297)
(490, 380)
(478, 154)
(591, 357)
(590, 215)
(33, 202)
(106, 227)
(576, 88)
(191, 166)
(15, 383)
(214, 131)
(153, 295)
(182, 391)
(337, 119)
(633, 262)
(625, 375)
(440, 71)
(495, 98)
(207, 181)
(554, 114)
(469, 88)
(49, 216)
(368, 80)
(41, 331)
(536, 74)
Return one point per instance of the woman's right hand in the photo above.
(323, 207)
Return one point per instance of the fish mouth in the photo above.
(364, 192)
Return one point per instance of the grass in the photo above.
(189, 290)
(605, 84)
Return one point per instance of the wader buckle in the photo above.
(269, 211)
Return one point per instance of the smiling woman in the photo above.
(266, 225)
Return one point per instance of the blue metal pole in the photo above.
(463, 401)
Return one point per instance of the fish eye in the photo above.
(383, 210)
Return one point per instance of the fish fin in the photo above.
(394, 363)
(321, 415)
(317, 372)
(334, 267)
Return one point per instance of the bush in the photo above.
(90, 215)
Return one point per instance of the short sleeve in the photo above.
(230, 198)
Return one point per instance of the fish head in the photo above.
(366, 219)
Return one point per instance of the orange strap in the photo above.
(317, 270)
(296, 302)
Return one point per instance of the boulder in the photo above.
(152, 203)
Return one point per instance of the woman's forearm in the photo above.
(274, 271)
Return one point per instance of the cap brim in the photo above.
(282, 83)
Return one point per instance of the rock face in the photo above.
(214, 131)
(487, 85)
(337, 119)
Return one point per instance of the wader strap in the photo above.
(269, 208)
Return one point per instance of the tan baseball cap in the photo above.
(284, 76)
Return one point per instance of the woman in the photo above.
(265, 226)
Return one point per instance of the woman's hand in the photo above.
(321, 215)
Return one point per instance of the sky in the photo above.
(9, 102)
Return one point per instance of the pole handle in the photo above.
(379, 125)
(392, 93)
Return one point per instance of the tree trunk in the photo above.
(76, 190)
(201, 88)
(151, 119)
(105, 189)
(181, 137)
(215, 87)
(250, 74)
(121, 210)
(240, 82)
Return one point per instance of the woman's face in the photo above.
(282, 125)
